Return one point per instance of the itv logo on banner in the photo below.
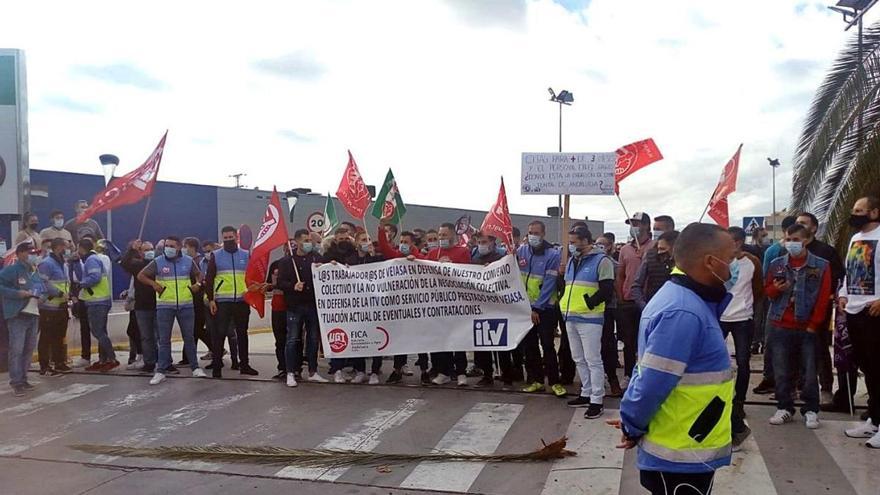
(490, 333)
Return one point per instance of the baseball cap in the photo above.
(639, 216)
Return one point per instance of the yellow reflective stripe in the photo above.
(664, 364)
(677, 271)
(685, 455)
(707, 378)
(581, 283)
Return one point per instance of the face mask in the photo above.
(33, 259)
(67, 253)
(433, 245)
(535, 240)
(795, 248)
(230, 246)
(734, 275)
(404, 249)
(484, 249)
(58, 223)
(634, 232)
(766, 241)
(149, 255)
(573, 250)
(444, 243)
(664, 255)
(721, 279)
(308, 247)
(33, 226)
(170, 252)
(655, 234)
(365, 247)
(598, 249)
(858, 221)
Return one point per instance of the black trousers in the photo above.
(201, 330)
(567, 369)
(483, 360)
(421, 362)
(450, 364)
(51, 346)
(864, 333)
(85, 332)
(542, 337)
(628, 316)
(659, 483)
(236, 313)
(133, 332)
(610, 360)
(279, 329)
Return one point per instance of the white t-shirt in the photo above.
(742, 307)
(860, 285)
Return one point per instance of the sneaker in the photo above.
(359, 377)
(425, 379)
(594, 411)
(864, 430)
(873, 442)
(559, 391)
(811, 420)
(81, 363)
(316, 378)
(146, 369)
(339, 377)
(485, 382)
(63, 368)
(172, 370)
(157, 379)
(473, 372)
(247, 370)
(625, 383)
(18, 391)
(781, 417)
(739, 438)
(533, 387)
(291, 380)
(280, 375)
(826, 397)
(94, 367)
(614, 390)
(462, 380)
(137, 363)
(199, 373)
(579, 402)
(406, 371)
(235, 366)
(394, 377)
(374, 379)
(441, 379)
(766, 386)
(110, 366)
(183, 362)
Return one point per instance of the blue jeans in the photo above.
(146, 319)
(186, 321)
(98, 325)
(296, 319)
(23, 330)
(785, 344)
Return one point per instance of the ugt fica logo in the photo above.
(490, 333)
(338, 340)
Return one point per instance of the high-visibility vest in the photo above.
(582, 279)
(533, 270)
(57, 275)
(174, 275)
(100, 293)
(229, 284)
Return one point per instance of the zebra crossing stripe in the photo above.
(43, 401)
(747, 473)
(850, 455)
(480, 431)
(598, 465)
(364, 435)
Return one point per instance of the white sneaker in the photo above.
(339, 377)
(864, 430)
(462, 381)
(81, 363)
(405, 371)
(291, 380)
(874, 442)
(360, 377)
(374, 379)
(316, 378)
(138, 363)
(199, 373)
(811, 419)
(441, 379)
(157, 379)
(624, 384)
(781, 417)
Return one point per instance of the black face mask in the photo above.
(230, 246)
(33, 226)
(858, 221)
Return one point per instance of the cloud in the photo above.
(297, 65)
(123, 74)
(596, 75)
(574, 5)
(798, 68)
(503, 13)
(294, 136)
(69, 104)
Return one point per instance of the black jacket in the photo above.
(287, 280)
(144, 295)
(829, 254)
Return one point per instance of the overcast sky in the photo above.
(447, 93)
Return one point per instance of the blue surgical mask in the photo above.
(573, 250)
(58, 223)
(170, 252)
(734, 275)
(308, 247)
(444, 243)
(634, 232)
(484, 249)
(404, 249)
(365, 247)
(149, 255)
(795, 248)
(433, 245)
(655, 234)
(535, 241)
(67, 253)
(33, 259)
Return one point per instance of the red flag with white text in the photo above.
(718, 205)
(130, 188)
(352, 192)
(634, 157)
(497, 222)
(272, 235)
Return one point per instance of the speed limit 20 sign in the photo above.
(315, 222)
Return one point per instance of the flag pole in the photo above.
(708, 204)
(144, 219)
(638, 244)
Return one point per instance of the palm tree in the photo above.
(838, 159)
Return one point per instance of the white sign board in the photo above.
(315, 222)
(408, 307)
(583, 174)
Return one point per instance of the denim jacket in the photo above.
(805, 285)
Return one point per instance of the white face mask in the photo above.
(634, 232)
(655, 234)
(58, 223)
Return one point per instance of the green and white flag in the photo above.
(389, 207)
(331, 221)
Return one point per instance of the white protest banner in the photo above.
(568, 173)
(408, 307)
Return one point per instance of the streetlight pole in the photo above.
(774, 163)
(563, 98)
(109, 164)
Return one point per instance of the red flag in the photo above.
(497, 222)
(272, 234)
(130, 188)
(634, 157)
(352, 192)
(726, 185)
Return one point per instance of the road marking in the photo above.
(480, 431)
(50, 398)
(598, 465)
(99, 415)
(747, 473)
(364, 435)
(850, 455)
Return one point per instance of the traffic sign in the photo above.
(752, 223)
(315, 223)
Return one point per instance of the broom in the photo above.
(316, 458)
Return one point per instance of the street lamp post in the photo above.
(774, 164)
(563, 98)
(109, 164)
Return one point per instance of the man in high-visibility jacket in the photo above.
(677, 408)
(53, 310)
(175, 277)
(225, 288)
(94, 291)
